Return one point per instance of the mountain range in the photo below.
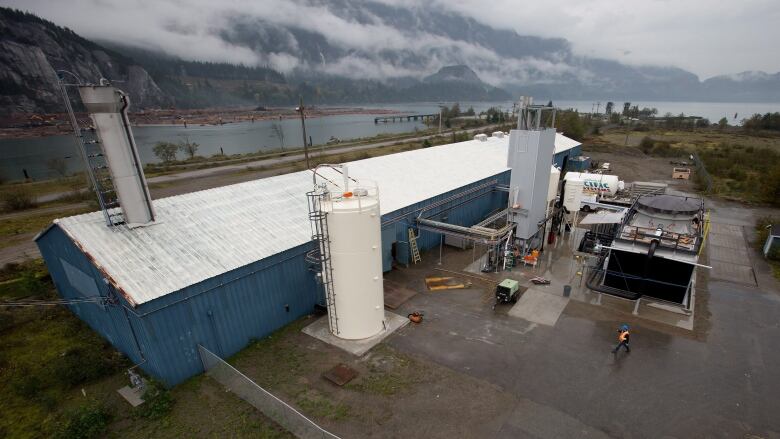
(423, 55)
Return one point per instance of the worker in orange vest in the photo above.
(623, 337)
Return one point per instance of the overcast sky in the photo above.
(705, 37)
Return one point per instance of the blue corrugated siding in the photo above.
(222, 313)
(225, 312)
(563, 156)
(108, 321)
(395, 225)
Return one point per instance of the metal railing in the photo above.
(277, 410)
(670, 240)
(318, 218)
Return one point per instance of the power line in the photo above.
(55, 302)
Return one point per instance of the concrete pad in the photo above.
(734, 256)
(321, 331)
(726, 229)
(539, 306)
(133, 395)
(666, 314)
(725, 271)
(728, 241)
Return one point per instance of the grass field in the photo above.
(745, 166)
(59, 379)
(14, 229)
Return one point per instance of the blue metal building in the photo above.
(565, 150)
(224, 266)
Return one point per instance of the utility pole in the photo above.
(439, 119)
(300, 110)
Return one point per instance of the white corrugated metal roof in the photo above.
(203, 234)
(563, 143)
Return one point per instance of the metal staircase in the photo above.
(95, 163)
(321, 256)
(413, 247)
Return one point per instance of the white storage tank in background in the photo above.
(354, 229)
(572, 194)
(555, 177)
(597, 183)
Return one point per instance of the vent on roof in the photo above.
(481, 137)
(498, 134)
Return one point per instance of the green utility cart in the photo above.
(507, 291)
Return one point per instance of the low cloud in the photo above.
(688, 34)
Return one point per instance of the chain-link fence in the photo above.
(271, 406)
(702, 176)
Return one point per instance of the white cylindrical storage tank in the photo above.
(107, 107)
(555, 177)
(597, 183)
(355, 236)
(572, 196)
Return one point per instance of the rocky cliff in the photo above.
(32, 50)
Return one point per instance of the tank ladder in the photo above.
(95, 164)
(321, 257)
(413, 247)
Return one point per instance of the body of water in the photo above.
(32, 155)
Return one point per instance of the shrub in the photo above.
(771, 187)
(18, 199)
(25, 384)
(82, 364)
(762, 229)
(189, 148)
(87, 421)
(158, 401)
(166, 151)
(646, 145)
(571, 124)
(738, 174)
(7, 321)
(662, 148)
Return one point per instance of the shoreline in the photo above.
(22, 126)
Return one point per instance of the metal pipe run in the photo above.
(438, 203)
(454, 234)
(478, 232)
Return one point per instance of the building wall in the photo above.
(111, 322)
(465, 212)
(226, 312)
(562, 157)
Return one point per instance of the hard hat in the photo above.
(624, 327)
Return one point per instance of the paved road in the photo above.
(275, 161)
